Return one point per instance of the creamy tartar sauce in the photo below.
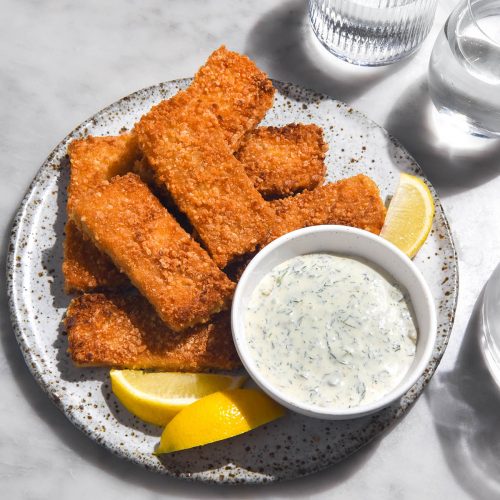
(331, 331)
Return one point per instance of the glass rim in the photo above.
(476, 24)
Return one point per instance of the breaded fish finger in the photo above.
(125, 220)
(352, 202)
(123, 331)
(85, 267)
(238, 93)
(185, 147)
(284, 160)
(92, 160)
(96, 159)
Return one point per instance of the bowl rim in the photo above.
(412, 375)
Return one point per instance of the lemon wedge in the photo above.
(156, 397)
(219, 416)
(409, 216)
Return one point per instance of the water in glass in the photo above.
(371, 32)
(464, 69)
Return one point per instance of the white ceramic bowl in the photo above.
(350, 242)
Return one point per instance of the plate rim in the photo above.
(31, 360)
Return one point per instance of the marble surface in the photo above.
(61, 63)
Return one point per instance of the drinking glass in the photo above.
(464, 69)
(371, 32)
(491, 324)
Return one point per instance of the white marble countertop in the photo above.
(62, 61)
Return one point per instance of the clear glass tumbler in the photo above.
(490, 343)
(464, 69)
(371, 32)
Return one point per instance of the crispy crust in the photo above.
(236, 90)
(184, 145)
(92, 160)
(96, 159)
(125, 220)
(87, 268)
(123, 331)
(353, 202)
(350, 202)
(146, 173)
(284, 160)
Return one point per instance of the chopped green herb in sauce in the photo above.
(331, 331)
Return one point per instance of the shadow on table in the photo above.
(283, 43)
(465, 404)
(452, 161)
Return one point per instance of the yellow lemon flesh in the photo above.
(219, 416)
(410, 214)
(156, 397)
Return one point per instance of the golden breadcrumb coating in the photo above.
(238, 93)
(353, 202)
(92, 160)
(87, 268)
(96, 159)
(123, 331)
(284, 160)
(184, 145)
(126, 221)
(145, 172)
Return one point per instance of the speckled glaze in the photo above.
(288, 448)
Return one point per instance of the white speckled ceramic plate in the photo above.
(290, 447)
